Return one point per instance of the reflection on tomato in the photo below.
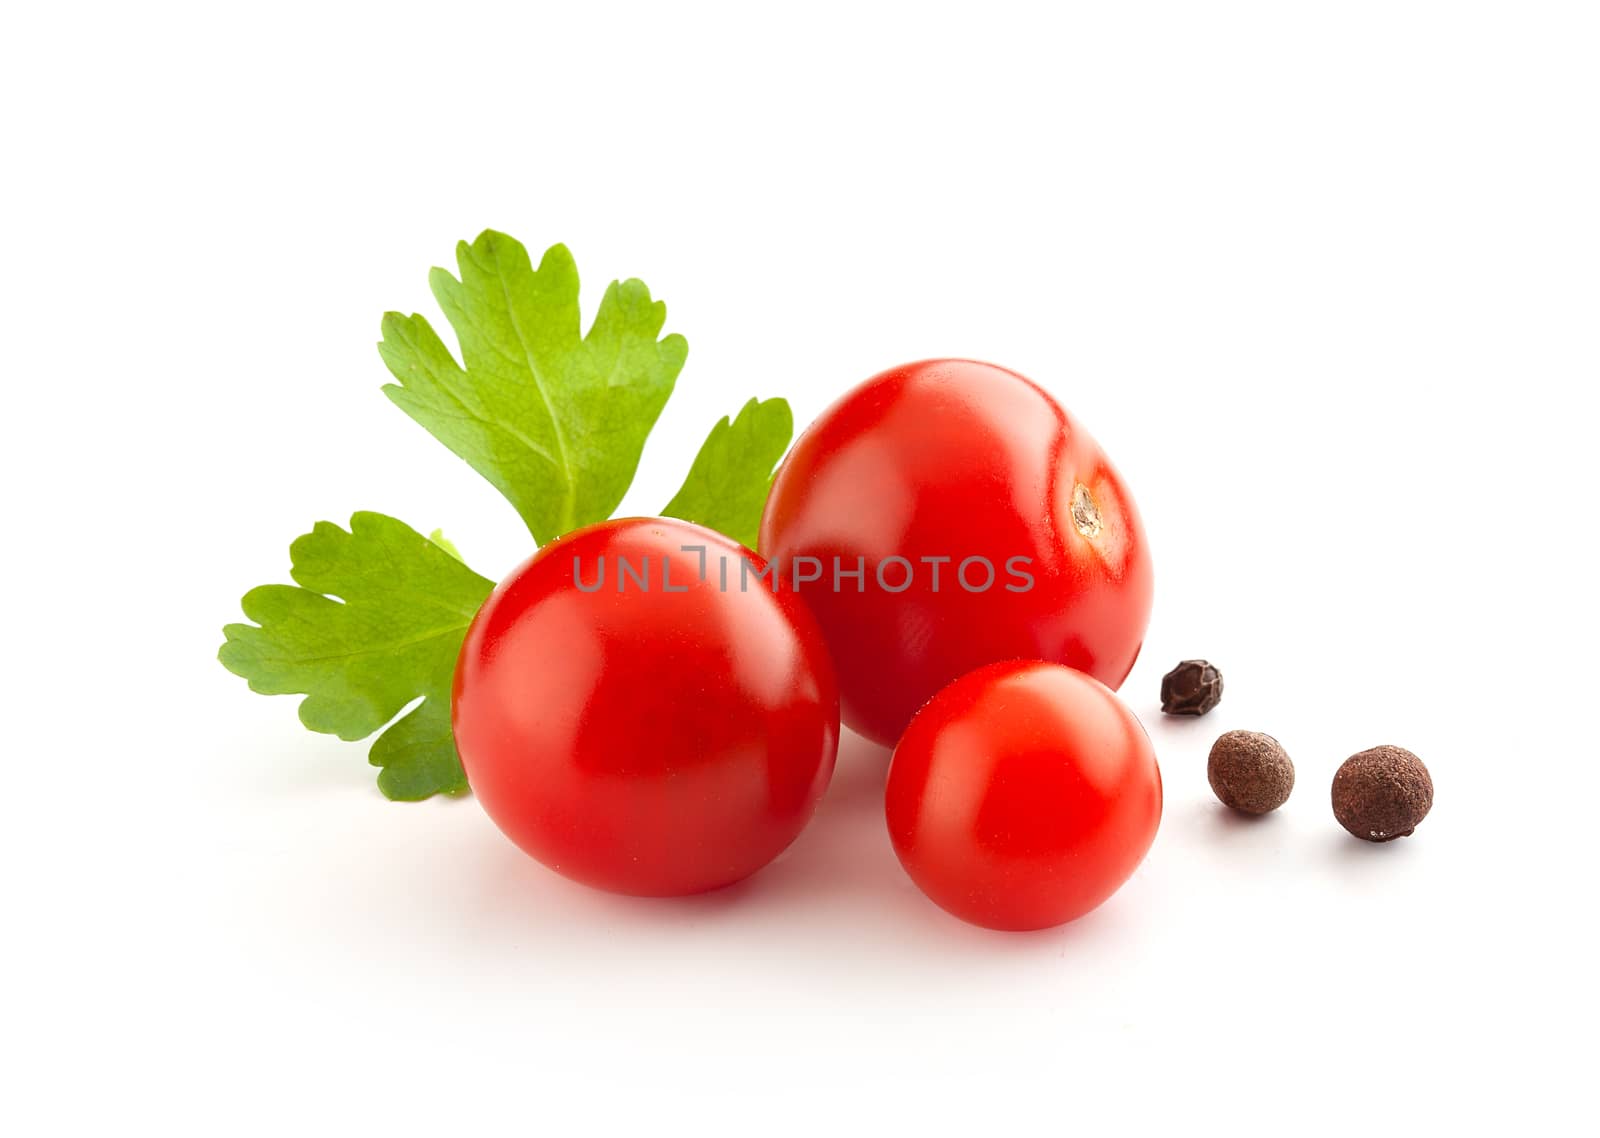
(635, 724)
(1023, 795)
(930, 471)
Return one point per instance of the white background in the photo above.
(1322, 279)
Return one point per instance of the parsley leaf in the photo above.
(438, 538)
(375, 620)
(726, 488)
(554, 419)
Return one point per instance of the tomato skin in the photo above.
(645, 741)
(957, 459)
(1023, 795)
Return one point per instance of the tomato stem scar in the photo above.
(1085, 514)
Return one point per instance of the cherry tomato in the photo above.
(985, 523)
(642, 714)
(1023, 795)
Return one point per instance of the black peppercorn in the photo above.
(1382, 794)
(1194, 687)
(1250, 772)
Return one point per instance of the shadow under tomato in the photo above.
(839, 887)
(845, 849)
(845, 836)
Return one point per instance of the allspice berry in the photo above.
(1194, 687)
(1250, 772)
(1382, 794)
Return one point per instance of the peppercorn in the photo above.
(1194, 687)
(1382, 794)
(1250, 772)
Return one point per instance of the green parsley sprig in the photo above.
(553, 418)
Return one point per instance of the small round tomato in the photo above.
(1023, 795)
(638, 709)
(948, 514)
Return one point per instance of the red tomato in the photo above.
(935, 479)
(1023, 795)
(648, 731)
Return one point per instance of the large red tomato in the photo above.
(640, 712)
(986, 524)
(1023, 795)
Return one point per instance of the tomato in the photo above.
(1023, 795)
(985, 525)
(640, 712)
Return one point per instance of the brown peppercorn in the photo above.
(1250, 771)
(1194, 687)
(1382, 794)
